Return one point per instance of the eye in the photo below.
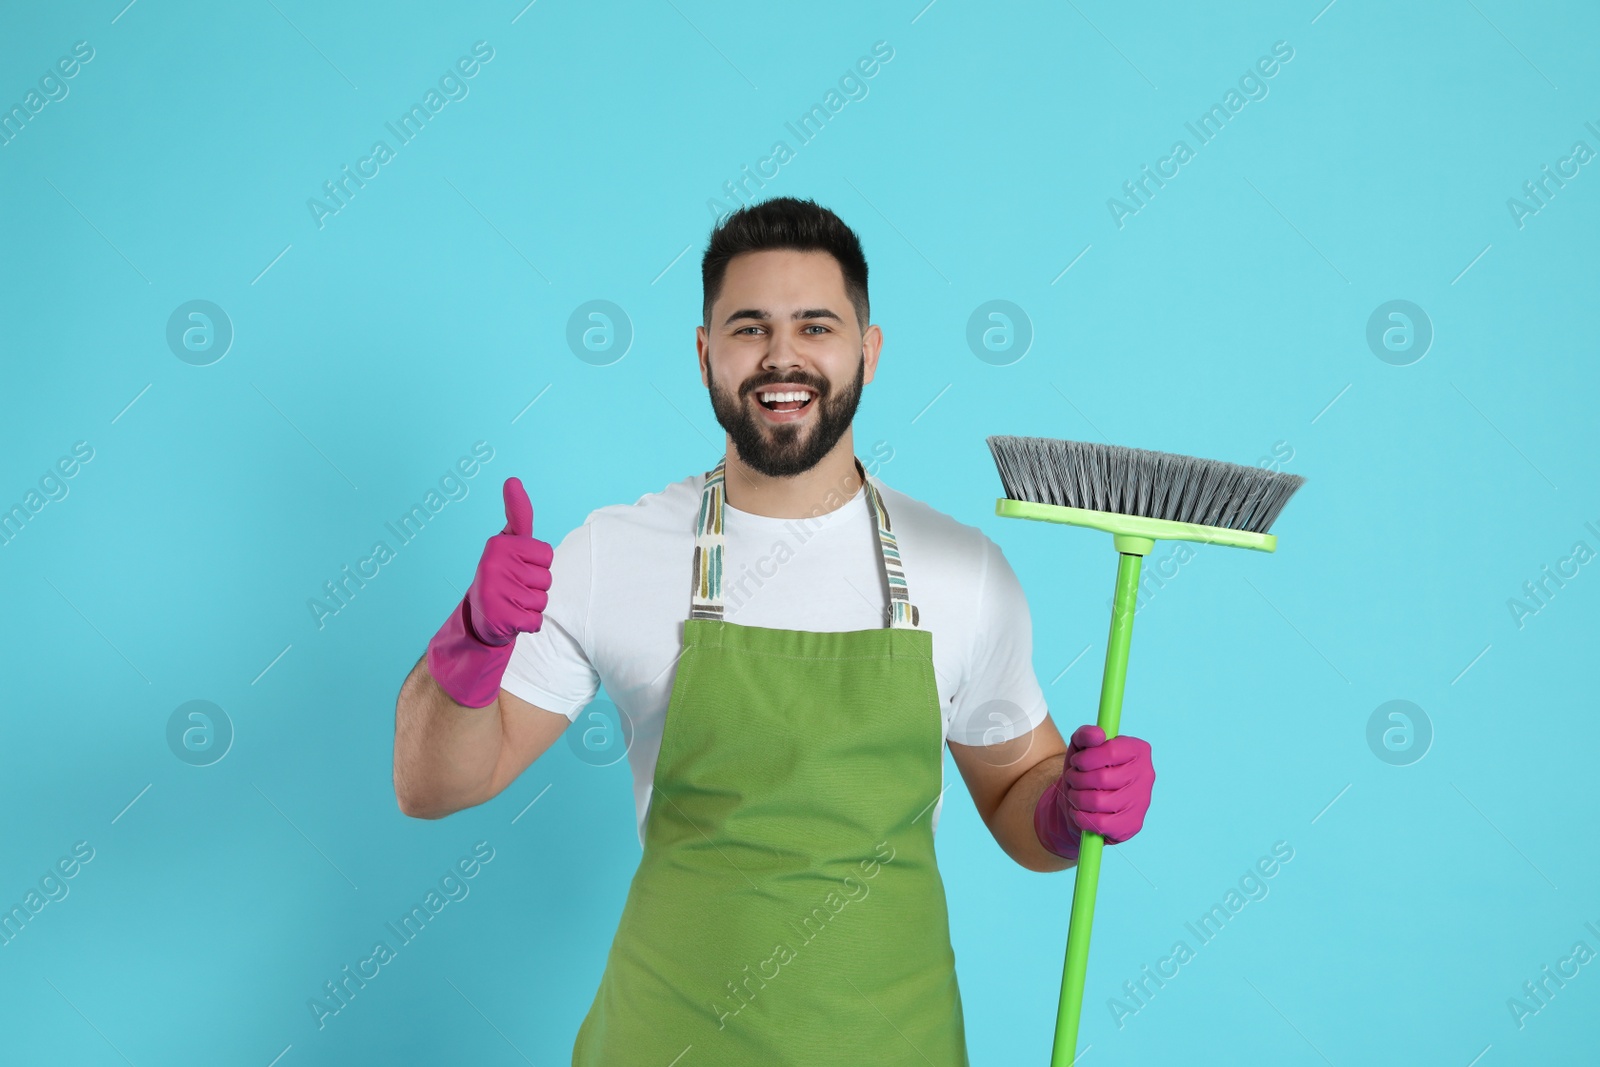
(742, 329)
(819, 326)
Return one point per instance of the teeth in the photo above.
(781, 398)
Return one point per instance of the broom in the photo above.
(1138, 497)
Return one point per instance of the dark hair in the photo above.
(785, 222)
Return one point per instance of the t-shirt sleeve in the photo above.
(554, 668)
(999, 695)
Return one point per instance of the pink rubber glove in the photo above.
(1104, 788)
(468, 656)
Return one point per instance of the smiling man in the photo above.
(786, 736)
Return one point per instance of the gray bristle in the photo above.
(1134, 481)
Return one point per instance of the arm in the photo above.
(448, 756)
(1093, 784)
(459, 738)
(1034, 789)
(1006, 780)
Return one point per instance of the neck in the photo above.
(824, 488)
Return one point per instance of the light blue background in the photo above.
(1226, 318)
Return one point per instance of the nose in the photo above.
(781, 356)
(781, 364)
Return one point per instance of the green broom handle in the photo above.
(1091, 844)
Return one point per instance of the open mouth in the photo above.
(786, 402)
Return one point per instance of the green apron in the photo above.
(787, 908)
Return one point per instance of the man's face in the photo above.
(783, 323)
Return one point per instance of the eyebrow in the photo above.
(763, 315)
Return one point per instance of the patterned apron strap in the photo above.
(706, 597)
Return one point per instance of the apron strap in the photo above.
(706, 598)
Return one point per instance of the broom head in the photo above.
(1139, 495)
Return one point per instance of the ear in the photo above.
(871, 345)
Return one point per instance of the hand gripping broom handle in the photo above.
(1131, 555)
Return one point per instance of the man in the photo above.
(789, 713)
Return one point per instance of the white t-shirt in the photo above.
(619, 594)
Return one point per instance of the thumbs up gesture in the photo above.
(468, 656)
(508, 595)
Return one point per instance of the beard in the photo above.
(785, 449)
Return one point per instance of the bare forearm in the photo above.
(1012, 824)
(444, 754)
